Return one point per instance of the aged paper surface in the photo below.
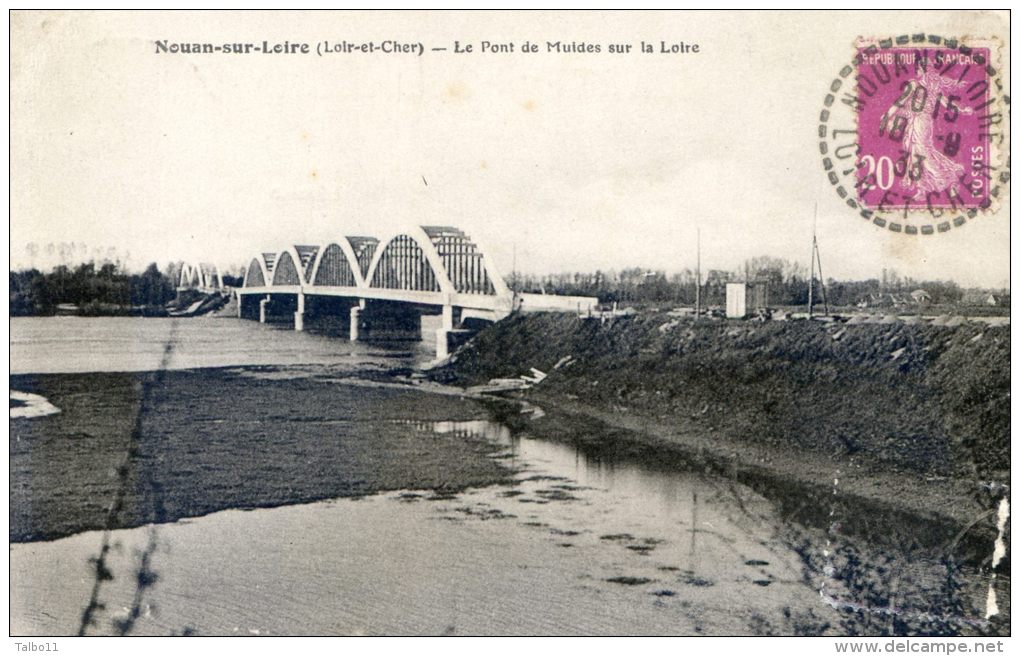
(614, 223)
(619, 155)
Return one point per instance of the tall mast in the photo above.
(811, 279)
(697, 283)
(821, 277)
(513, 278)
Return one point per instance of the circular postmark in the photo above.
(913, 130)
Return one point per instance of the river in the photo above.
(577, 543)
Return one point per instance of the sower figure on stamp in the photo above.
(913, 115)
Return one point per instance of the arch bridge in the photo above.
(204, 277)
(382, 287)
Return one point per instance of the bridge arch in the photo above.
(257, 274)
(364, 249)
(287, 269)
(215, 276)
(307, 255)
(189, 276)
(408, 260)
(466, 262)
(337, 266)
(200, 276)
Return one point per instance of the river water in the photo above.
(77, 344)
(578, 544)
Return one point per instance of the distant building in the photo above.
(920, 297)
(745, 297)
(736, 300)
(984, 297)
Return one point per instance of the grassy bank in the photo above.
(212, 439)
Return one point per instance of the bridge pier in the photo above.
(263, 313)
(448, 337)
(355, 329)
(299, 314)
(443, 334)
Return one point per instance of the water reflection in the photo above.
(702, 530)
(631, 505)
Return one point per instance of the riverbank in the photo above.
(211, 439)
(911, 417)
(568, 516)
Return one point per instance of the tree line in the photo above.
(106, 289)
(787, 283)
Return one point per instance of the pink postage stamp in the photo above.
(912, 131)
(922, 127)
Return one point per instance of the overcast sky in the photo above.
(575, 161)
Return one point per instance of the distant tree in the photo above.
(151, 288)
(29, 294)
(943, 291)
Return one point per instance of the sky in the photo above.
(555, 161)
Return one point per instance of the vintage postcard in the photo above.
(553, 323)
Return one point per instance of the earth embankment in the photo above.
(894, 398)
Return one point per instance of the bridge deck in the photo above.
(471, 301)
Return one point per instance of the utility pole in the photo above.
(513, 277)
(811, 279)
(514, 302)
(697, 281)
(821, 277)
